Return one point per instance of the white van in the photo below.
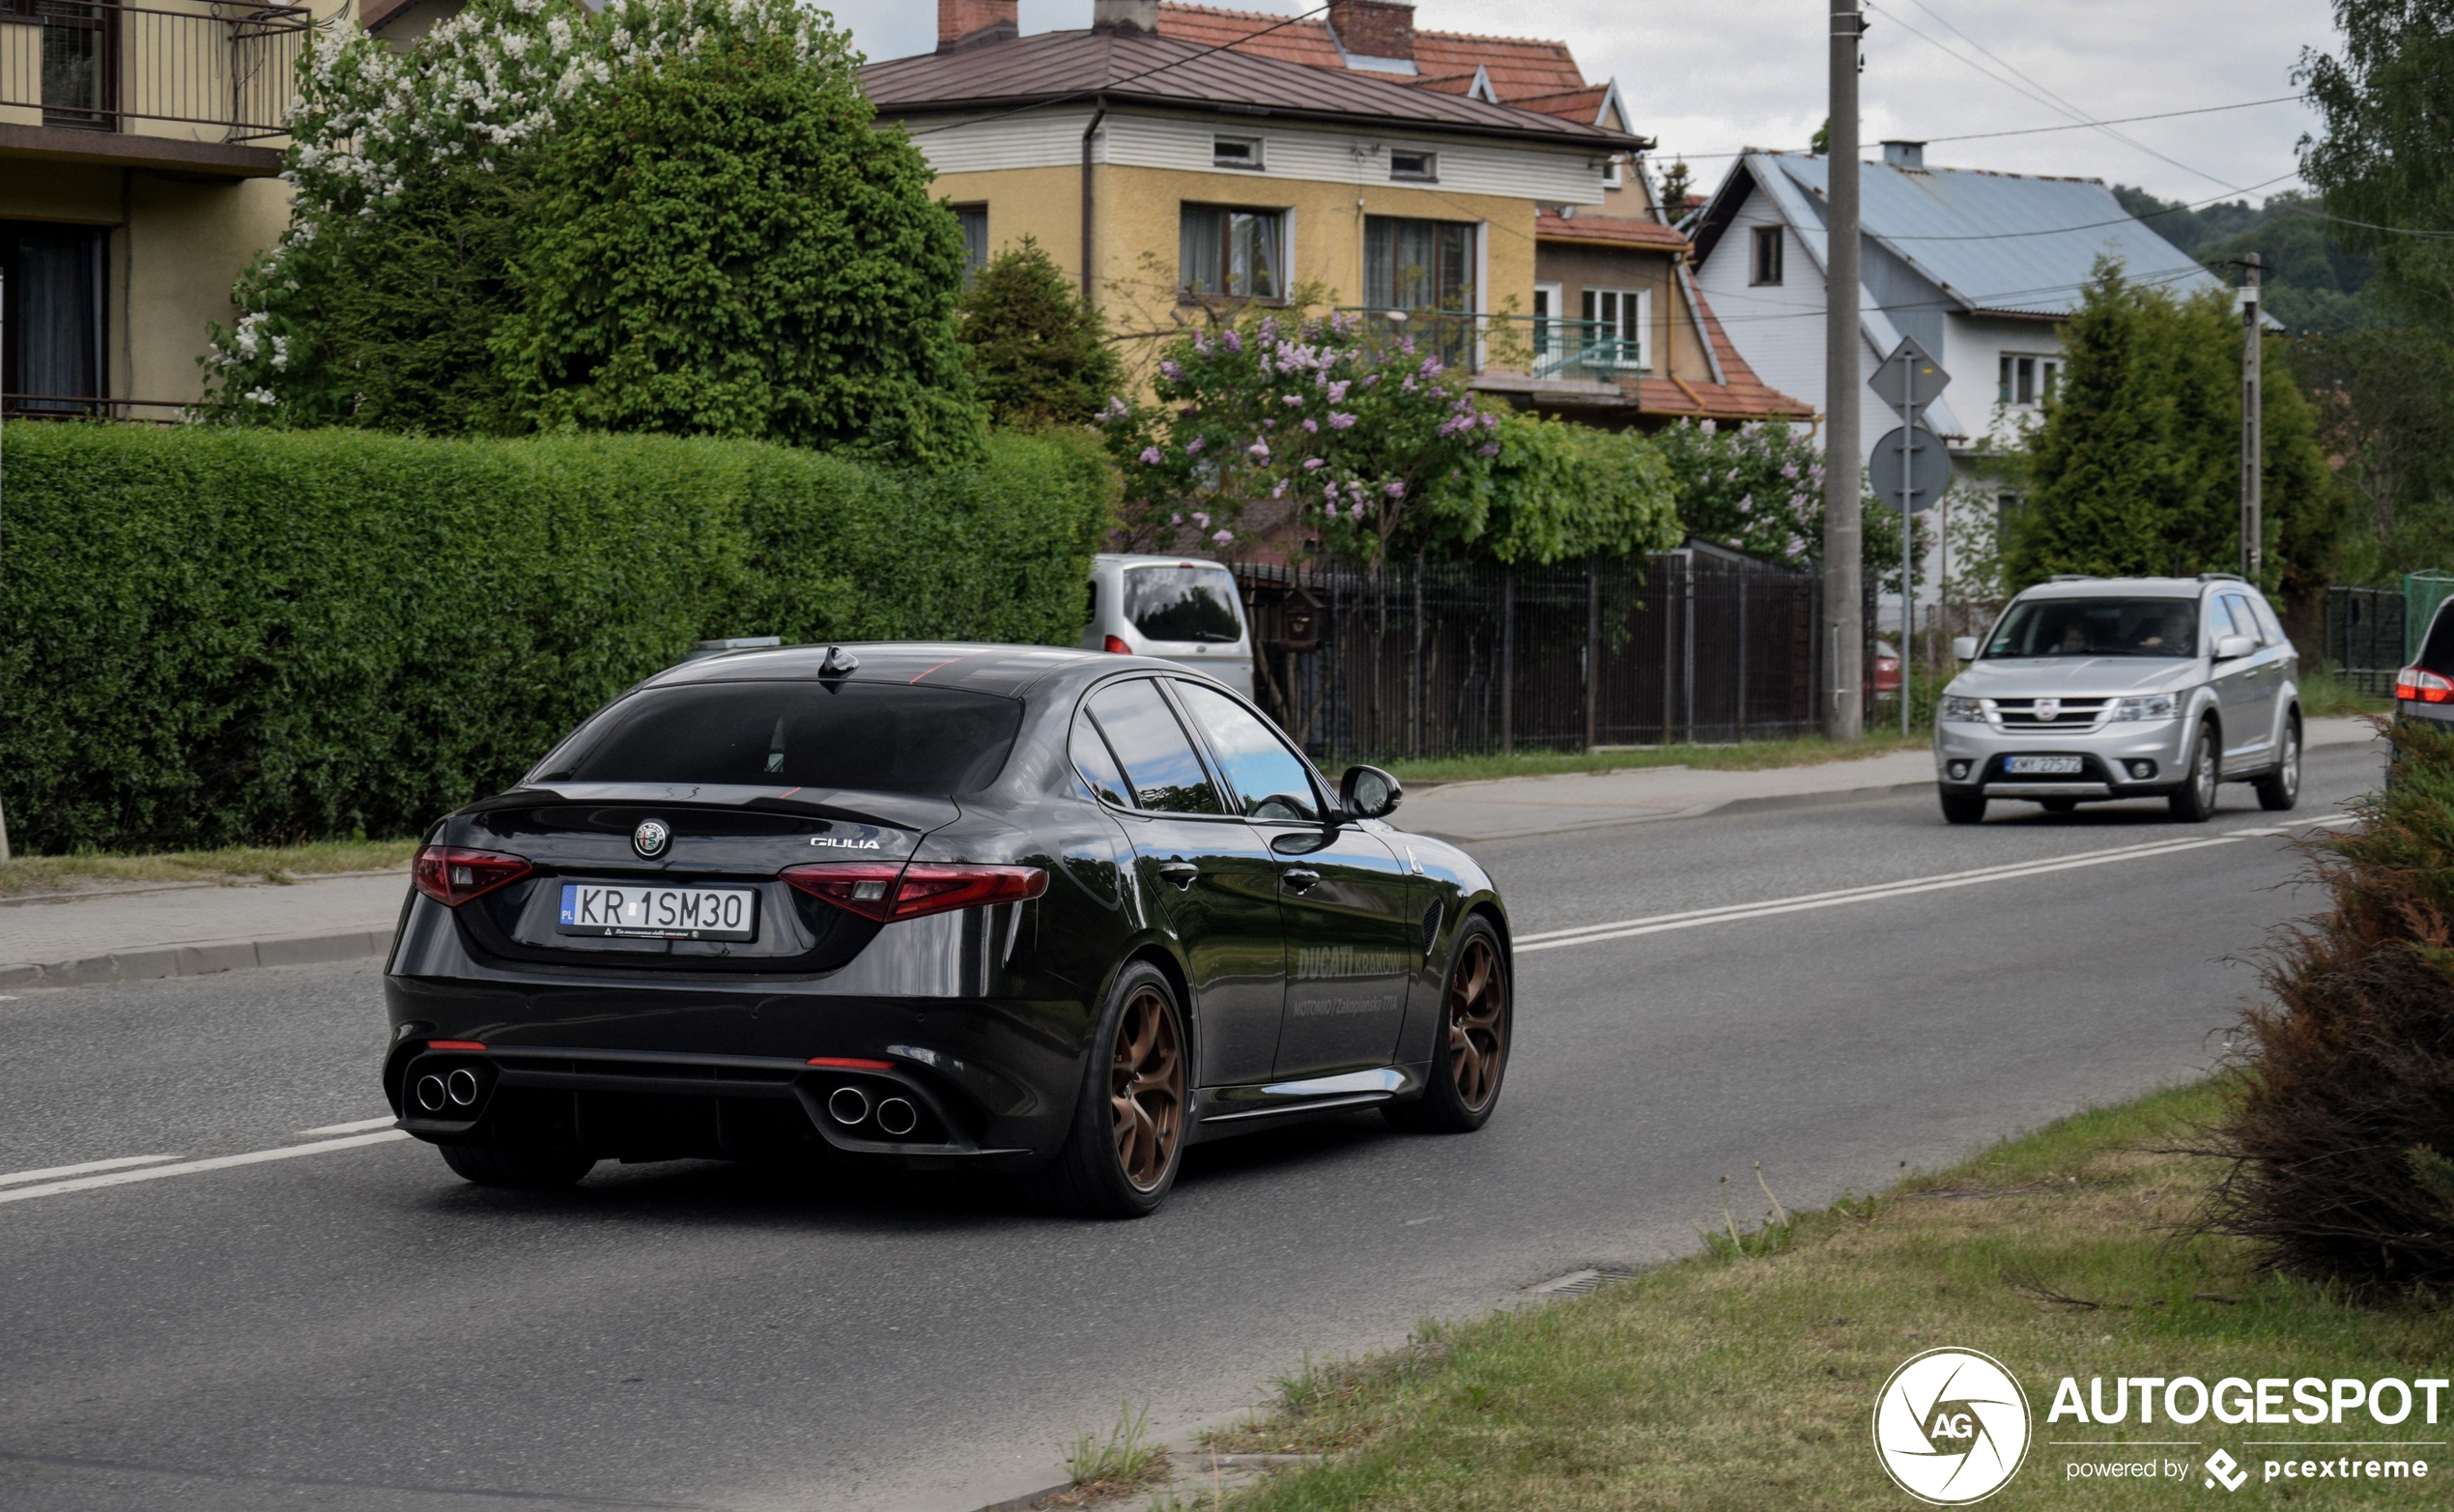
(1183, 609)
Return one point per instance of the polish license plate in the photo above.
(2042, 767)
(624, 911)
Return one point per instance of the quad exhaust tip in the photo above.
(431, 1094)
(849, 1105)
(897, 1117)
(460, 1086)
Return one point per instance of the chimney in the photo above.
(963, 22)
(1126, 16)
(1905, 154)
(1374, 28)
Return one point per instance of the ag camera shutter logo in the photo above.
(1952, 1427)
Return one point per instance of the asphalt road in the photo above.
(358, 1328)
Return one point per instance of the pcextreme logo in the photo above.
(1952, 1427)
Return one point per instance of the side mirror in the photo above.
(1366, 792)
(1963, 649)
(2233, 647)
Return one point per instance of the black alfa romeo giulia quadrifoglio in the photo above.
(1047, 912)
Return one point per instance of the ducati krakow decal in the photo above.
(1952, 1426)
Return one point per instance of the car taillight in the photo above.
(2420, 684)
(1116, 643)
(451, 877)
(885, 892)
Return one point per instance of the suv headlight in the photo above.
(1958, 710)
(2155, 705)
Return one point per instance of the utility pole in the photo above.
(2253, 436)
(1843, 624)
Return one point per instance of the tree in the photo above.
(2135, 469)
(1757, 487)
(1558, 491)
(2385, 402)
(1328, 430)
(666, 215)
(2384, 164)
(1039, 352)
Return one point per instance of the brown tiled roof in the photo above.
(1162, 71)
(1740, 396)
(1518, 65)
(1574, 104)
(1605, 231)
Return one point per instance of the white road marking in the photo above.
(359, 1127)
(54, 1172)
(1731, 913)
(190, 1167)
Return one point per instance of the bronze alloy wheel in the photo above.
(1146, 1089)
(1477, 1024)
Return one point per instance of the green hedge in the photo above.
(212, 637)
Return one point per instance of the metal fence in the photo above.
(2364, 634)
(100, 66)
(1440, 658)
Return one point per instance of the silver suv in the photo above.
(2102, 687)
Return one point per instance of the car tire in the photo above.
(1470, 1047)
(535, 1167)
(2195, 802)
(1963, 808)
(1114, 1166)
(2280, 788)
(2059, 805)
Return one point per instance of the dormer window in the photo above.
(1420, 168)
(1235, 152)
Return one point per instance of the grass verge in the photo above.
(1746, 1378)
(2323, 695)
(1757, 755)
(239, 865)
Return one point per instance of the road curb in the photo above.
(198, 960)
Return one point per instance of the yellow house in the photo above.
(139, 145)
(1475, 192)
(1169, 176)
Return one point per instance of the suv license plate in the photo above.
(2042, 766)
(658, 913)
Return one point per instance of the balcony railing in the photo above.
(1539, 346)
(103, 68)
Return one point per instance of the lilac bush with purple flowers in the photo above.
(1305, 429)
(1759, 488)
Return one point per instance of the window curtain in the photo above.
(55, 315)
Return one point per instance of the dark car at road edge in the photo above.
(1049, 913)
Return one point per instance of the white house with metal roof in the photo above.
(1982, 268)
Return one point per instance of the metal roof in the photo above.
(1135, 67)
(2004, 243)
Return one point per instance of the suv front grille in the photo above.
(2070, 714)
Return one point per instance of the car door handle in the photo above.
(1180, 872)
(1301, 879)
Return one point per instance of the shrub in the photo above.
(2340, 1130)
(1038, 350)
(1559, 491)
(218, 636)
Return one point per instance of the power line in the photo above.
(2030, 130)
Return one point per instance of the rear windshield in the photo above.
(1183, 604)
(873, 737)
(2098, 627)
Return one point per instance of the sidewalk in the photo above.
(196, 930)
(1513, 807)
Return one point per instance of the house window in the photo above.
(1615, 174)
(1546, 336)
(2026, 380)
(1768, 248)
(79, 53)
(1618, 324)
(1235, 152)
(1418, 265)
(1423, 167)
(974, 219)
(1238, 253)
(53, 357)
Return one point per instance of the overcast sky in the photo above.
(1709, 79)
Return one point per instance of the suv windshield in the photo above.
(871, 738)
(1183, 604)
(2098, 627)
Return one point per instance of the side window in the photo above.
(1164, 774)
(1269, 779)
(2219, 621)
(2247, 620)
(2267, 621)
(1097, 766)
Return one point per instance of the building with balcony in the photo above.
(139, 145)
(1477, 193)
